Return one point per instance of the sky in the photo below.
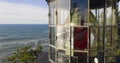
(23, 12)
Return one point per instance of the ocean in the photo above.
(14, 36)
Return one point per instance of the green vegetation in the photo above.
(24, 55)
(117, 49)
(117, 52)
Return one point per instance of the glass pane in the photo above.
(109, 16)
(92, 18)
(108, 37)
(63, 38)
(52, 54)
(62, 57)
(81, 57)
(52, 13)
(79, 12)
(80, 38)
(96, 43)
(94, 37)
(109, 56)
(114, 36)
(63, 10)
(73, 59)
(110, 43)
(52, 35)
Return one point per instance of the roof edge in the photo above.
(49, 0)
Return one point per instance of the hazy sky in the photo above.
(23, 12)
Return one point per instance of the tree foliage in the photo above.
(25, 55)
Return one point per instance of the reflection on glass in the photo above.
(110, 56)
(92, 18)
(76, 17)
(52, 54)
(73, 59)
(80, 38)
(81, 57)
(108, 41)
(52, 35)
(63, 17)
(93, 42)
(52, 13)
(94, 38)
(109, 16)
(96, 17)
(63, 10)
(63, 37)
(62, 57)
(79, 12)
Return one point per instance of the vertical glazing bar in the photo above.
(104, 27)
(55, 31)
(98, 17)
(70, 42)
(111, 24)
(98, 33)
(96, 13)
(49, 31)
(70, 30)
(88, 44)
(57, 13)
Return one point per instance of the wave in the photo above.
(8, 37)
(22, 36)
(9, 45)
(34, 42)
(46, 32)
(17, 38)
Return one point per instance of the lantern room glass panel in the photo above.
(79, 28)
(52, 54)
(63, 37)
(103, 30)
(79, 12)
(52, 13)
(81, 43)
(62, 57)
(52, 35)
(80, 38)
(63, 12)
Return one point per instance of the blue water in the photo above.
(14, 36)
